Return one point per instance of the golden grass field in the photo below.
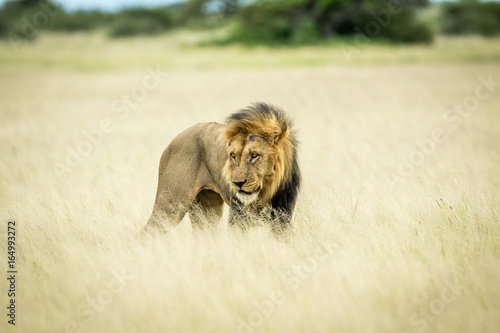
(380, 243)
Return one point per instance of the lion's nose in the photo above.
(239, 184)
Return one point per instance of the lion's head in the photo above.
(261, 149)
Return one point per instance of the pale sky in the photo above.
(108, 4)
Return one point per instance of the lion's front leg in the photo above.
(243, 216)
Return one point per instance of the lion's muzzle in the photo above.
(246, 191)
(249, 193)
(246, 187)
(239, 184)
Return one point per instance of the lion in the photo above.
(249, 163)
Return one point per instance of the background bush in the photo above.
(471, 17)
(79, 21)
(15, 16)
(303, 21)
(140, 21)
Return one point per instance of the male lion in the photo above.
(250, 163)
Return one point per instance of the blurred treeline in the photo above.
(264, 21)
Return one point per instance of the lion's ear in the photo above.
(283, 134)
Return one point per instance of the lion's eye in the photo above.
(232, 155)
(254, 155)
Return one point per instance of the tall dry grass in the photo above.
(372, 251)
